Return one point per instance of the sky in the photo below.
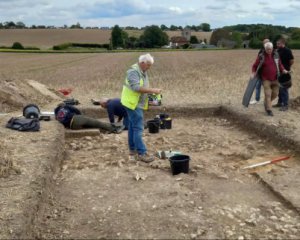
(140, 13)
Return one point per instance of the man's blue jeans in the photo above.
(283, 96)
(135, 130)
(257, 88)
(126, 122)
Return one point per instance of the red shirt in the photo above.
(268, 68)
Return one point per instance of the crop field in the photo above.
(47, 38)
(185, 76)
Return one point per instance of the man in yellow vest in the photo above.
(135, 100)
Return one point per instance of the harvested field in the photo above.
(185, 77)
(47, 38)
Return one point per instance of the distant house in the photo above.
(225, 43)
(178, 41)
(186, 33)
(245, 44)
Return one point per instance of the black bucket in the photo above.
(162, 117)
(31, 111)
(153, 126)
(179, 164)
(167, 123)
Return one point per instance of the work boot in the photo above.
(95, 102)
(145, 158)
(270, 113)
(118, 129)
(132, 155)
(284, 108)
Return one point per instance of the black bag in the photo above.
(24, 124)
(285, 80)
(71, 101)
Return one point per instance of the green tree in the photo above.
(153, 36)
(20, 25)
(194, 39)
(77, 25)
(118, 37)
(131, 42)
(295, 34)
(237, 37)
(173, 28)
(17, 45)
(218, 35)
(205, 27)
(164, 27)
(9, 25)
(255, 43)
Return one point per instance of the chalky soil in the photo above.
(99, 193)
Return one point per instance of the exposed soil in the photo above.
(100, 193)
(97, 192)
(15, 94)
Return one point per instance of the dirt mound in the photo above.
(295, 103)
(15, 94)
(6, 162)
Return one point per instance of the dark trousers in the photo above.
(257, 90)
(81, 122)
(283, 96)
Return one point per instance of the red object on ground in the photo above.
(65, 91)
(268, 162)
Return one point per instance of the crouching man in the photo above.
(115, 108)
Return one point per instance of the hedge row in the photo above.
(19, 46)
(294, 44)
(65, 46)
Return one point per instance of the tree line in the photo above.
(155, 36)
(20, 25)
(255, 33)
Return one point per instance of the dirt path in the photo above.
(99, 193)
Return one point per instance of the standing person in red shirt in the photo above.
(258, 84)
(270, 66)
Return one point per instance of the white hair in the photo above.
(268, 45)
(146, 58)
(266, 40)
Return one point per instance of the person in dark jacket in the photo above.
(115, 108)
(72, 118)
(287, 59)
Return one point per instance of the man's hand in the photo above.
(285, 71)
(156, 90)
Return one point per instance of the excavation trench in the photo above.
(99, 193)
(90, 189)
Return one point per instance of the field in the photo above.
(58, 185)
(185, 77)
(47, 38)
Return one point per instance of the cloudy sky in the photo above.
(139, 13)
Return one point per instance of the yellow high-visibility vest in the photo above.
(130, 98)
